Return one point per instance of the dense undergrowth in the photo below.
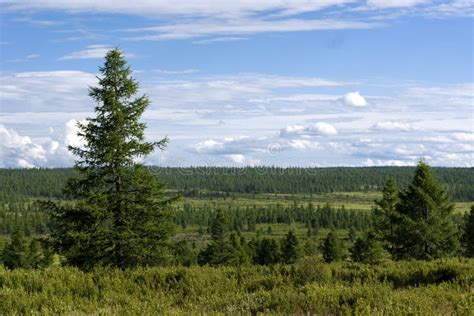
(440, 287)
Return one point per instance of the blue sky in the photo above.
(288, 83)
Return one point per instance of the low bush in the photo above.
(308, 286)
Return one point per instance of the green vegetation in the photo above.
(24, 253)
(119, 216)
(332, 248)
(208, 182)
(239, 241)
(468, 237)
(441, 287)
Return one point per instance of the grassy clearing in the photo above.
(356, 201)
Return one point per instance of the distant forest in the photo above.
(20, 183)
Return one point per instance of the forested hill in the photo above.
(16, 183)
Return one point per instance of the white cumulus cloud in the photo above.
(319, 128)
(19, 151)
(353, 99)
(22, 151)
(303, 144)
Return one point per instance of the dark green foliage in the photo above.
(468, 237)
(237, 217)
(269, 230)
(219, 226)
(15, 184)
(368, 250)
(17, 253)
(386, 217)
(267, 252)
(24, 253)
(352, 235)
(184, 254)
(37, 256)
(119, 218)
(290, 251)
(423, 227)
(33, 219)
(332, 248)
(237, 251)
(310, 247)
(223, 250)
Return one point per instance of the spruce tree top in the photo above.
(425, 197)
(115, 137)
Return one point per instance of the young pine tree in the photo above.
(332, 248)
(119, 217)
(385, 215)
(424, 229)
(17, 253)
(468, 237)
(290, 248)
(216, 253)
(236, 252)
(267, 252)
(219, 226)
(368, 250)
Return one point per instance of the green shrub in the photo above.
(308, 286)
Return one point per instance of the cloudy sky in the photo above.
(288, 83)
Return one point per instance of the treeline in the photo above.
(246, 218)
(25, 217)
(31, 219)
(48, 183)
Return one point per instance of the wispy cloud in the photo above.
(242, 27)
(175, 72)
(384, 4)
(455, 8)
(220, 40)
(207, 21)
(45, 91)
(393, 126)
(181, 8)
(37, 22)
(26, 58)
(90, 52)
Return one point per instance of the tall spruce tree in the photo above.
(119, 215)
(424, 229)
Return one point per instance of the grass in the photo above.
(355, 201)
